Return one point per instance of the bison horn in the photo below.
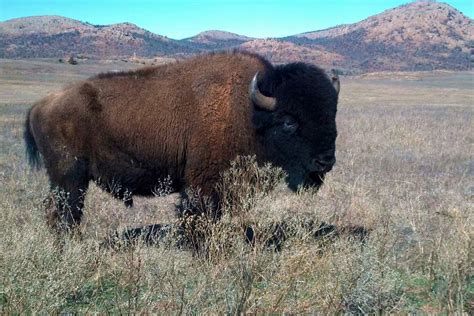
(260, 100)
(335, 80)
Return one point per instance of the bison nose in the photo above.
(323, 163)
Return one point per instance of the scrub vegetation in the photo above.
(404, 172)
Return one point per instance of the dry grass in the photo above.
(405, 170)
(25, 81)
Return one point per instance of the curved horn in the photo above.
(260, 100)
(333, 76)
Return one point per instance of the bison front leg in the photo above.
(65, 203)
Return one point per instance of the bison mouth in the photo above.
(306, 180)
(314, 179)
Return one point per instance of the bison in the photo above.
(186, 121)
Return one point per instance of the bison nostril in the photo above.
(323, 163)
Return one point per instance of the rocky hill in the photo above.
(421, 35)
(416, 36)
(280, 51)
(55, 36)
(212, 40)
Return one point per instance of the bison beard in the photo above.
(186, 122)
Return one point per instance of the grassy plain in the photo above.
(405, 170)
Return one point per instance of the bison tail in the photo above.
(32, 152)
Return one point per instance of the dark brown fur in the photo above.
(185, 120)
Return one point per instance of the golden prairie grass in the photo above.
(404, 172)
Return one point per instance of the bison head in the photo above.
(295, 118)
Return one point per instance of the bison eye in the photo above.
(289, 125)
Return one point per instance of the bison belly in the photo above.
(124, 176)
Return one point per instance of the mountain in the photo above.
(280, 51)
(212, 40)
(55, 36)
(417, 36)
(421, 35)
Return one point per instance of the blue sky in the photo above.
(184, 18)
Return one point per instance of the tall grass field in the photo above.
(405, 172)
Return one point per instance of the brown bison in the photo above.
(185, 121)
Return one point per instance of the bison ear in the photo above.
(334, 77)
